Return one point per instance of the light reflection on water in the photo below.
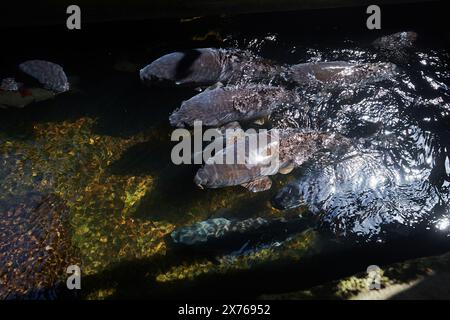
(400, 124)
(391, 117)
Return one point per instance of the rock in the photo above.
(35, 248)
(49, 74)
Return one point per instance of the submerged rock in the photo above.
(49, 74)
(35, 248)
(234, 103)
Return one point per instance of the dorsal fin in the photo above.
(258, 185)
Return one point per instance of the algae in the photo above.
(113, 215)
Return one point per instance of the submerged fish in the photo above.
(396, 47)
(341, 74)
(221, 235)
(233, 103)
(207, 66)
(362, 196)
(49, 74)
(285, 150)
(396, 41)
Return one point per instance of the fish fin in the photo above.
(230, 125)
(215, 86)
(211, 87)
(287, 169)
(260, 121)
(190, 19)
(258, 185)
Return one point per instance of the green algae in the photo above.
(122, 217)
(68, 159)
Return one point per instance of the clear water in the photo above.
(104, 148)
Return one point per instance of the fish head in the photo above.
(207, 107)
(198, 66)
(288, 198)
(203, 178)
(177, 120)
(215, 176)
(410, 35)
(190, 110)
(225, 175)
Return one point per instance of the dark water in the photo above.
(104, 148)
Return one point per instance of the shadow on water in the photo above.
(433, 287)
(173, 194)
(138, 278)
(124, 107)
(172, 197)
(147, 157)
(173, 191)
